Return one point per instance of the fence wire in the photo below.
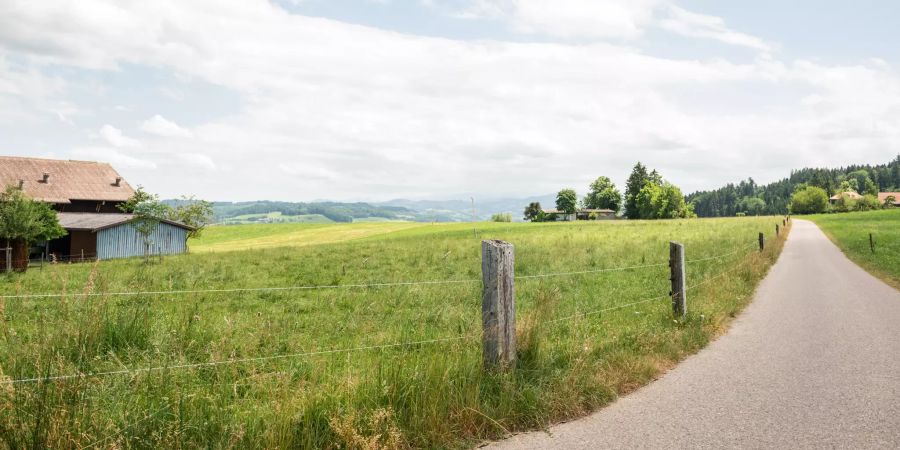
(233, 361)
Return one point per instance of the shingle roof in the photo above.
(100, 221)
(68, 180)
(848, 194)
(882, 196)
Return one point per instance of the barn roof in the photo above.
(580, 211)
(67, 180)
(848, 194)
(101, 221)
(882, 197)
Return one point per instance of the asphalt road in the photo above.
(813, 362)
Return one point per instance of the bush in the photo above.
(809, 200)
(501, 217)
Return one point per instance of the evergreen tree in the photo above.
(633, 186)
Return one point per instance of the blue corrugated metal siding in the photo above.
(125, 241)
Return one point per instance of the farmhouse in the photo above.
(581, 214)
(86, 196)
(847, 195)
(883, 197)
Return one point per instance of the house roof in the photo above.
(882, 196)
(101, 221)
(584, 211)
(848, 194)
(68, 180)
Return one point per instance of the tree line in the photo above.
(647, 196)
(748, 198)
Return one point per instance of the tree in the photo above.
(662, 201)
(24, 221)
(603, 195)
(194, 213)
(809, 200)
(863, 182)
(533, 212)
(633, 186)
(567, 201)
(753, 206)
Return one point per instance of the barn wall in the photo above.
(85, 241)
(125, 241)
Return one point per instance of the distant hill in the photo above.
(773, 199)
(265, 211)
(461, 210)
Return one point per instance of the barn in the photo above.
(110, 235)
(87, 196)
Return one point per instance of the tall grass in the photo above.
(422, 395)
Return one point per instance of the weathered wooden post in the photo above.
(777, 231)
(498, 304)
(784, 222)
(762, 241)
(676, 263)
(871, 243)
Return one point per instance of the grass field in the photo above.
(575, 352)
(850, 231)
(279, 235)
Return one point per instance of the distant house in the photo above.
(883, 196)
(847, 195)
(87, 196)
(581, 214)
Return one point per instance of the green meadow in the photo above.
(850, 231)
(346, 359)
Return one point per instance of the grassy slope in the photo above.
(850, 231)
(260, 236)
(433, 395)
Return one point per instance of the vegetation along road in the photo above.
(810, 364)
(308, 344)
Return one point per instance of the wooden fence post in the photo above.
(498, 304)
(871, 243)
(762, 241)
(777, 231)
(676, 263)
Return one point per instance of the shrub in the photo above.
(501, 217)
(809, 200)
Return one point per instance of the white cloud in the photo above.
(116, 138)
(570, 18)
(696, 25)
(113, 156)
(161, 126)
(380, 114)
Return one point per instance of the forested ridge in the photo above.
(749, 198)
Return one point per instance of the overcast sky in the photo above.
(379, 99)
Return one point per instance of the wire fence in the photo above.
(346, 286)
(434, 341)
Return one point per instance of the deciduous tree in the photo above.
(603, 195)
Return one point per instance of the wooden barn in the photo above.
(109, 236)
(86, 196)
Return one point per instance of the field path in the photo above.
(813, 362)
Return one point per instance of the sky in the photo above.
(367, 100)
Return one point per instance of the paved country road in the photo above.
(813, 362)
